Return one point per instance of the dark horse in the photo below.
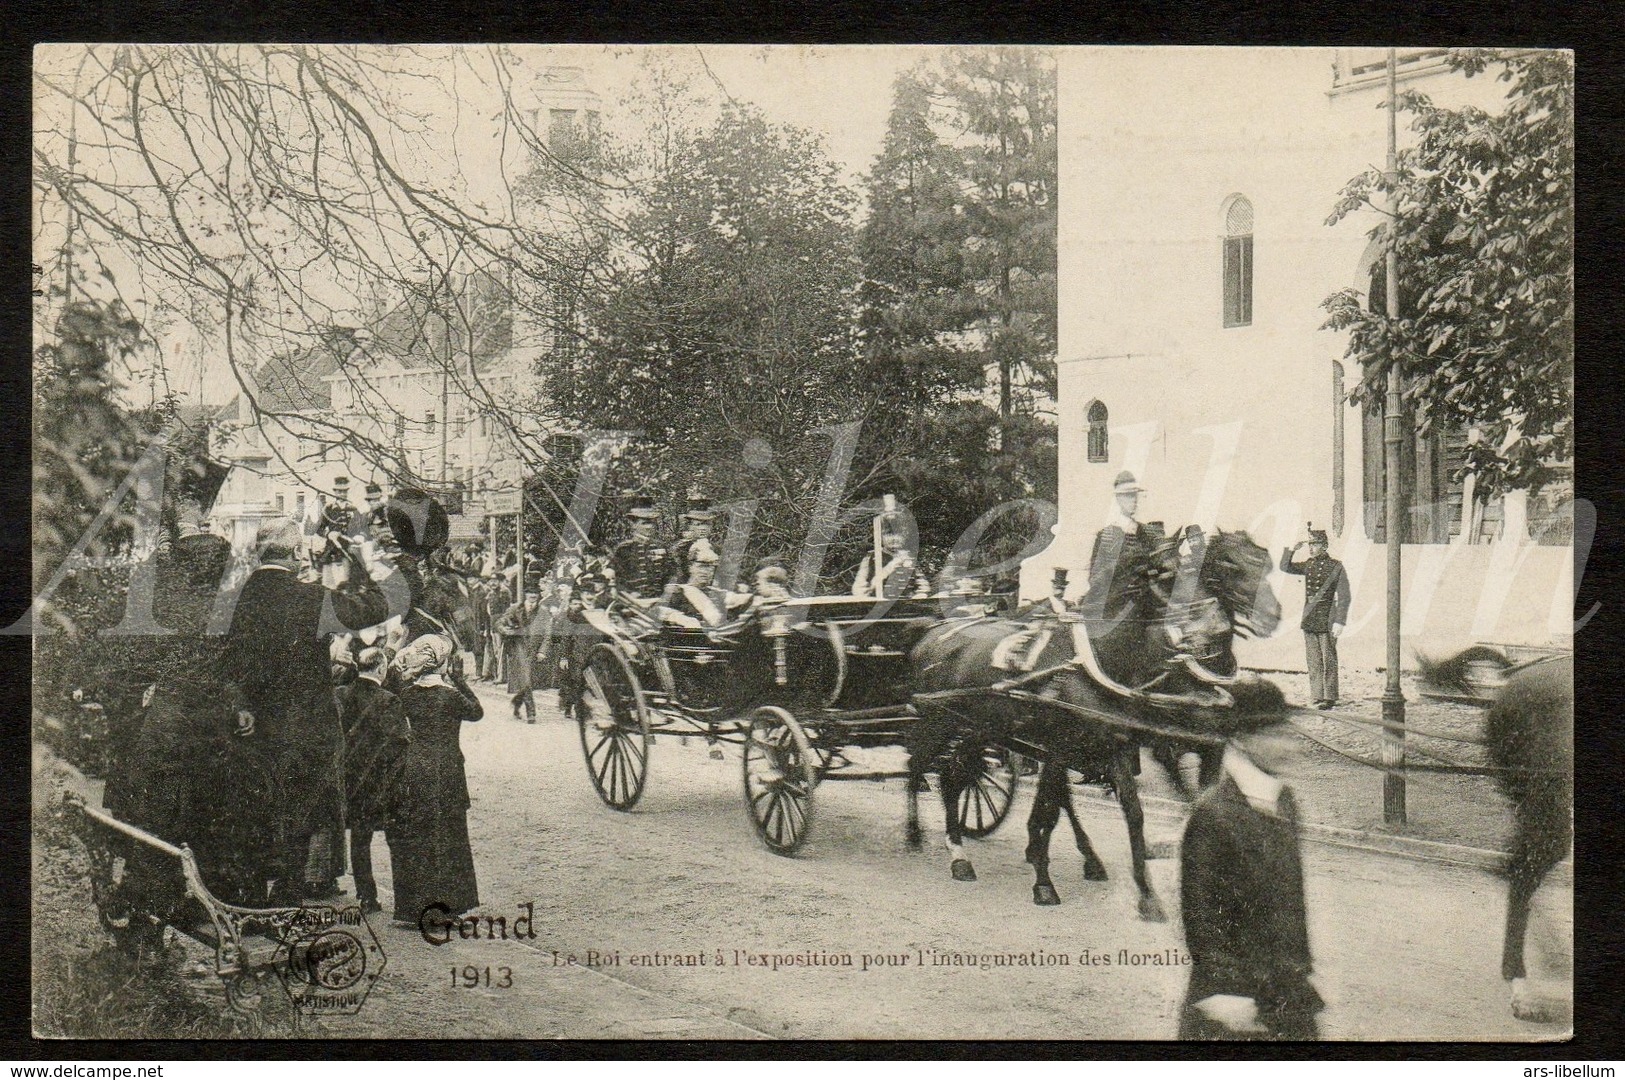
(1529, 731)
(1034, 687)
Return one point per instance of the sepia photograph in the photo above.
(486, 496)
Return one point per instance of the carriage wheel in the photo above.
(985, 802)
(780, 771)
(614, 728)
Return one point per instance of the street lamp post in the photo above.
(1393, 697)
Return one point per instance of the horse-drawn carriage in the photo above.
(796, 683)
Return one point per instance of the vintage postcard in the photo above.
(486, 497)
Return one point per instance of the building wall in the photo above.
(1234, 427)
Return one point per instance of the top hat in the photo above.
(1125, 483)
(1059, 580)
(699, 509)
(642, 508)
(1317, 536)
(341, 483)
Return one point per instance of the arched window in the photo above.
(1097, 431)
(1238, 261)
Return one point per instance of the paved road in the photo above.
(1404, 949)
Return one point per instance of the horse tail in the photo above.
(1453, 673)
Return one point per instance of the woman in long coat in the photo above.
(429, 850)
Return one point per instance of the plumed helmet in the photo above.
(418, 522)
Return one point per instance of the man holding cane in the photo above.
(1325, 611)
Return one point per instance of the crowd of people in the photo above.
(323, 708)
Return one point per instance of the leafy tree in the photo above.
(725, 321)
(1484, 232)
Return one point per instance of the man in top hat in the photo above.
(1241, 893)
(642, 564)
(1114, 600)
(697, 523)
(1325, 611)
(276, 657)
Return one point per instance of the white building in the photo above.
(1194, 257)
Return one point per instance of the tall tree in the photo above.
(1485, 237)
(958, 298)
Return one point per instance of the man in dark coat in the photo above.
(1114, 602)
(643, 566)
(1241, 882)
(1325, 611)
(522, 636)
(277, 656)
(376, 734)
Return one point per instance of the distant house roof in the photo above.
(414, 333)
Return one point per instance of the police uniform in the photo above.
(1326, 604)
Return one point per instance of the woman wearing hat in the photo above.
(429, 849)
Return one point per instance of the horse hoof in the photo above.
(916, 837)
(1151, 909)
(962, 870)
(1045, 896)
(1094, 871)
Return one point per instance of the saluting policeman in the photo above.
(1325, 610)
(643, 565)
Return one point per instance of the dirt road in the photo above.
(693, 929)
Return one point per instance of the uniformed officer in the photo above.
(697, 524)
(1114, 601)
(642, 564)
(1325, 611)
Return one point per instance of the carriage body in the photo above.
(794, 684)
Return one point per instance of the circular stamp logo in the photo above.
(329, 959)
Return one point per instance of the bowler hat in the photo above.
(1125, 483)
